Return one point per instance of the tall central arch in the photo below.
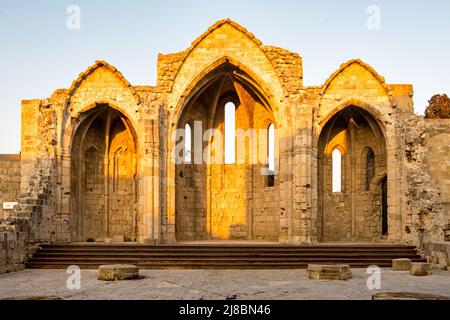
(220, 200)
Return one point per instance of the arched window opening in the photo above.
(230, 133)
(271, 155)
(370, 167)
(187, 144)
(337, 171)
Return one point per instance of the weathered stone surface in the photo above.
(197, 285)
(421, 269)
(427, 176)
(118, 272)
(407, 296)
(9, 181)
(401, 264)
(118, 239)
(447, 233)
(328, 272)
(438, 254)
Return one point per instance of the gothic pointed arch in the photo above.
(350, 205)
(361, 64)
(104, 170)
(89, 71)
(234, 69)
(207, 205)
(218, 25)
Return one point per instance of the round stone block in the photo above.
(329, 272)
(401, 264)
(421, 269)
(118, 272)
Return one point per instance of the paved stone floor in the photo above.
(218, 285)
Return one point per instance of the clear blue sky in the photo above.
(39, 54)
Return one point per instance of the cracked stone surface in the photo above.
(218, 285)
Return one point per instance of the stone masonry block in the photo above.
(401, 264)
(118, 272)
(421, 269)
(329, 272)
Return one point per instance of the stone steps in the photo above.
(90, 256)
(209, 259)
(225, 255)
(227, 248)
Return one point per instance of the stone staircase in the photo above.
(91, 256)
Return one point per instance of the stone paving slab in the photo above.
(218, 285)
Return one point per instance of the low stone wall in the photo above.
(9, 181)
(15, 233)
(30, 222)
(438, 253)
(15, 244)
(437, 150)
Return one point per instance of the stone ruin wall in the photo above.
(437, 148)
(9, 192)
(9, 181)
(426, 177)
(426, 172)
(33, 220)
(43, 213)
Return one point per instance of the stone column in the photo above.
(106, 181)
(302, 184)
(167, 181)
(394, 180)
(151, 187)
(286, 183)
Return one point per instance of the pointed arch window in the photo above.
(187, 144)
(336, 171)
(230, 133)
(271, 155)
